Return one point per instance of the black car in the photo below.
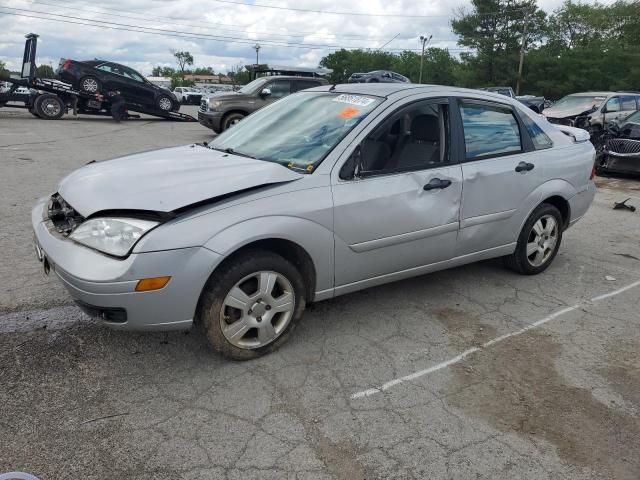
(621, 146)
(378, 76)
(98, 76)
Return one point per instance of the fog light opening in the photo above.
(149, 284)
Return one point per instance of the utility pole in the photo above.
(522, 49)
(425, 40)
(257, 49)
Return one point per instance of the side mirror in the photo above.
(265, 92)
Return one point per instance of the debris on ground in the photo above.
(623, 205)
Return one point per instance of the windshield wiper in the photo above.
(233, 152)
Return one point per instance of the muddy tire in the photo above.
(538, 242)
(250, 306)
(230, 119)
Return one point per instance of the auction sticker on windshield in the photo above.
(354, 100)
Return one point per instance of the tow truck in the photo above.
(50, 99)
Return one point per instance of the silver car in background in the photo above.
(322, 193)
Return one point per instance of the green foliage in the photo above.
(45, 71)
(579, 47)
(183, 59)
(4, 72)
(163, 71)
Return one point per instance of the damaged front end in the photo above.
(621, 155)
(63, 216)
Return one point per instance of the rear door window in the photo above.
(489, 130)
(304, 84)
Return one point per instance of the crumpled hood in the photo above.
(553, 112)
(165, 180)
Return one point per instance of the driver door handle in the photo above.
(525, 167)
(437, 183)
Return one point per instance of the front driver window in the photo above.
(279, 88)
(613, 105)
(415, 138)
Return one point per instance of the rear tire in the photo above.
(90, 85)
(251, 305)
(538, 242)
(230, 119)
(49, 107)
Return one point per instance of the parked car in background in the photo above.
(188, 95)
(378, 76)
(98, 76)
(621, 146)
(222, 110)
(325, 192)
(537, 104)
(593, 110)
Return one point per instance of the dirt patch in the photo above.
(622, 371)
(464, 329)
(515, 387)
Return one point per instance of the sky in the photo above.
(221, 33)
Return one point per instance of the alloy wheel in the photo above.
(257, 310)
(165, 104)
(90, 85)
(542, 240)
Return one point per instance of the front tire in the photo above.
(538, 242)
(250, 306)
(231, 119)
(164, 103)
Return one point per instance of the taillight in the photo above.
(593, 171)
(66, 65)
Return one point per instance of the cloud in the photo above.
(226, 32)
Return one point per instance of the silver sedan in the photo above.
(322, 193)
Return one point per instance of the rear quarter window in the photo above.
(538, 137)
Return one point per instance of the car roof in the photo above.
(291, 77)
(592, 94)
(405, 89)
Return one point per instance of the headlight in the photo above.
(215, 104)
(115, 236)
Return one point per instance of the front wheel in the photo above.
(231, 119)
(252, 304)
(49, 107)
(538, 242)
(164, 103)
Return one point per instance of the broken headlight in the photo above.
(113, 236)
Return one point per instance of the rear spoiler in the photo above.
(578, 134)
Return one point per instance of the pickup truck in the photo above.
(534, 103)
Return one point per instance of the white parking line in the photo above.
(466, 353)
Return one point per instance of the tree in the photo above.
(45, 71)
(4, 72)
(495, 29)
(183, 59)
(345, 62)
(163, 71)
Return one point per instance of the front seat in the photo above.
(424, 147)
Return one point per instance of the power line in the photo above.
(202, 25)
(69, 19)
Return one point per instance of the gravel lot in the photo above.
(401, 381)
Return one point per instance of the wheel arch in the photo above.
(556, 192)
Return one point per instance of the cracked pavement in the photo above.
(559, 401)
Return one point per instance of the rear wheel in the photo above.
(49, 107)
(89, 84)
(231, 119)
(252, 304)
(538, 242)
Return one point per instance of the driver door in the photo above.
(279, 89)
(401, 211)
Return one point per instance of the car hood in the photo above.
(555, 112)
(166, 180)
(223, 96)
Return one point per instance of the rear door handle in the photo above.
(525, 167)
(437, 183)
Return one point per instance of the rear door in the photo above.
(500, 172)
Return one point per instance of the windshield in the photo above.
(252, 86)
(299, 130)
(583, 102)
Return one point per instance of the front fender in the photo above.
(315, 239)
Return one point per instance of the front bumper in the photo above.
(105, 286)
(212, 120)
(621, 163)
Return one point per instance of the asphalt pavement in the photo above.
(470, 373)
